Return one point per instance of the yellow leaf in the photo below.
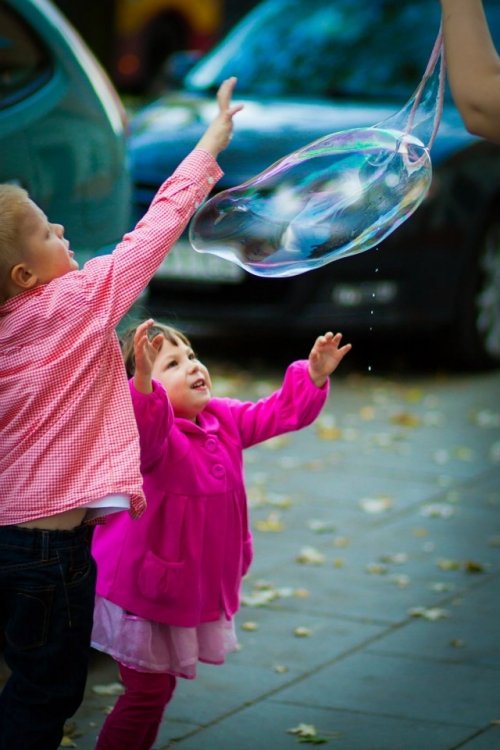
(377, 504)
(112, 688)
(301, 593)
(280, 668)
(249, 626)
(406, 419)
(310, 556)
(67, 742)
(446, 564)
(431, 613)
(272, 523)
(302, 632)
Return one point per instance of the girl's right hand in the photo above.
(220, 131)
(145, 353)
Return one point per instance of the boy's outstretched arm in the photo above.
(219, 132)
(325, 356)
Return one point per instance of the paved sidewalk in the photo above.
(377, 568)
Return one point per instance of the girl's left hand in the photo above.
(325, 356)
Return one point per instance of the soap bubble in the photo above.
(338, 196)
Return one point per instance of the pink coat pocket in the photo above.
(159, 578)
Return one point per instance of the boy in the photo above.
(70, 449)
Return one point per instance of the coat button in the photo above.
(218, 471)
(211, 445)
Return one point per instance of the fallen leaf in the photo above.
(463, 453)
(302, 632)
(280, 668)
(320, 527)
(249, 626)
(431, 613)
(441, 456)
(420, 532)
(402, 581)
(377, 504)
(406, 419)
(301, 593)
(276, 443)
(271, 524)
(376, 568)
(437, 510)
(472, 566)
(67, 742)
(446, 564)
(112, 688)
(398, 559)
(310, 556)
(440, 587)
(367, 413)
(343, 541)
(306, 733)
(457, 643)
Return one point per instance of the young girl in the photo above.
(168, 584)
(70, 446)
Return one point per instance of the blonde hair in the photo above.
(14, 204)
(171, 334)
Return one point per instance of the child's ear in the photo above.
(22, 277)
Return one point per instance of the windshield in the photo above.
(325, 48)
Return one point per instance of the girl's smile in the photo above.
(184, 377)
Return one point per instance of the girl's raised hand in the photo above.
(220, 131)
(325, 356)
(145, 353)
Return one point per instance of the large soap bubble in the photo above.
(338, 196)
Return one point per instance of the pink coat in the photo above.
(182, 562)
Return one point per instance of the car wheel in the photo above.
(477, 333)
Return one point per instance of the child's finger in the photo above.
(225, 92)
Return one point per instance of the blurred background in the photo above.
(133, 39)
(92, 143)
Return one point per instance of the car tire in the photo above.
(476, 332)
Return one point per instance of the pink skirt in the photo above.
(153, 647)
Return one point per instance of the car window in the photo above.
(326, 48)
(25, 64)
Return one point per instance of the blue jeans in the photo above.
(47, 582)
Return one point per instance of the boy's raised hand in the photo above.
(219, 132)
(325, 356)
(145, 353)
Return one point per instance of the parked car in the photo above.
(307, 69)
(62, 126)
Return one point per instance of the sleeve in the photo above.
(113, 282)
(294, 406)
(154, 417)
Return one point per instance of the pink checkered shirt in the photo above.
(67, 429)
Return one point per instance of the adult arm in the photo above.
(473, 66)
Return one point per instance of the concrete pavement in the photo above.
(372, 607)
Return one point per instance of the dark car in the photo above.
(62, 126)
(307, 69)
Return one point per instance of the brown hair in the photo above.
(171, 334)
(14, 202)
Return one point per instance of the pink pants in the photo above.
(135, 720)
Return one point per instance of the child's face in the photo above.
(45, 251)
(185, 378)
